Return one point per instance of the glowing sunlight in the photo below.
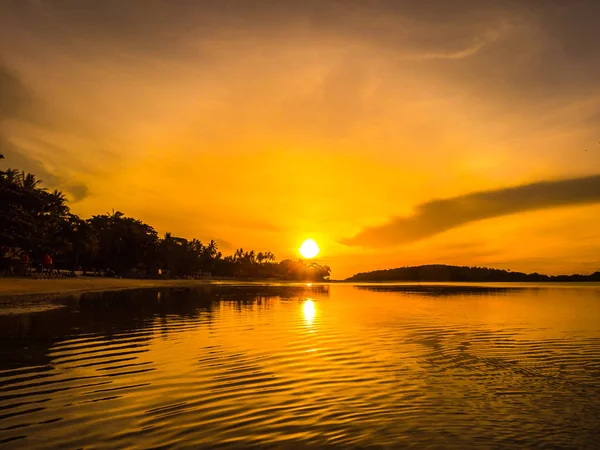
(309, 249)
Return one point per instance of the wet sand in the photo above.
(11, 286)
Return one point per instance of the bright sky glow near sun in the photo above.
(388, 131)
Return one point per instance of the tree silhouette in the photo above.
(38, 221)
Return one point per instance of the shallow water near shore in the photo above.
(294, 366)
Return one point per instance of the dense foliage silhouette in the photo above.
(39, 222)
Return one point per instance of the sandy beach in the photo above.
(10, 286)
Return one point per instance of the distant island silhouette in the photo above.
(442, 272)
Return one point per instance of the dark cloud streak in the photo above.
(437, 216)
(14, 96)
(17, 103)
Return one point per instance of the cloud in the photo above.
(78, 191)
(14, 97)
(224, 245)
(460, 54)
(14, 158)
(17, 103)
(437, 216)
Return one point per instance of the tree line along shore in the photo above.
(40, 236)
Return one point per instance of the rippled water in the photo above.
(305, 366)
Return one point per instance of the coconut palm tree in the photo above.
(29, 182)
(12, 176)
(58, 203)
(212, 248)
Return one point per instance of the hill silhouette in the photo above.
(442, 272)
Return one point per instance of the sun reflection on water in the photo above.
(308, 307)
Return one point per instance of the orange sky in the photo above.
(259, 124)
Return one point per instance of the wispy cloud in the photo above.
(459, 54)
(437, 216)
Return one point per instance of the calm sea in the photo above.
(323, 366)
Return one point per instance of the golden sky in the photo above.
(393, 133)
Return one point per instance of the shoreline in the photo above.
(20, 287)
(28, 287)
(17, 286)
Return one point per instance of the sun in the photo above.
(309, 249)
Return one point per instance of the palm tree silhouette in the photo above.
(29, 182)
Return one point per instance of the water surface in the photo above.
(278, 366)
